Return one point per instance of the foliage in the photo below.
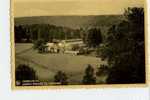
(102, 70)
(24, 72)
(89, 77)
(21, 34)
(124, 49)
(47, 32)
(40, 45)
(94, 37)
(61, 78)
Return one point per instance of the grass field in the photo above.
(46, 65)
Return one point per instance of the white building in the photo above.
(66, 46)
(70, 43)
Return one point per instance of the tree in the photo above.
(20, 33)
(24, 72)
(40, 45)
(61, 78)
(124, 49)
(94, 37)
(89, 77)
(102, 70)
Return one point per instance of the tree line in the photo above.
(47, 33)
(30, 33)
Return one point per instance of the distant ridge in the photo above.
(71, 21)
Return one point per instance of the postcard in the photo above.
(78, 43)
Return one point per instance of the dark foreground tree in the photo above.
(102, 70)
(24, 72)
(89, 77)
(124, 49)
(61, 77)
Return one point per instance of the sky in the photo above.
(24, 8)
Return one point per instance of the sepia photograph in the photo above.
(78, 42)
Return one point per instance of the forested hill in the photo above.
(71, 21)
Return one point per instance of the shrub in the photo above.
(102, 70)
(89, 78)
(40, 45)
(61, 77)
(24, 72)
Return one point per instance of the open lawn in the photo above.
(46, 65)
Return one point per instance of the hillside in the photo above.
(70, 21)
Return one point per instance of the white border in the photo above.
(79, 94)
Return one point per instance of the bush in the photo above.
(89, 76)
(24, 72)
(40, 45)
(102, 70)
(61, 78)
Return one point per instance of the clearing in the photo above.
(46, 65)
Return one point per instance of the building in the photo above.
(71, 43)
(69, 46)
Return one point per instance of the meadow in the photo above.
(47, 65)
